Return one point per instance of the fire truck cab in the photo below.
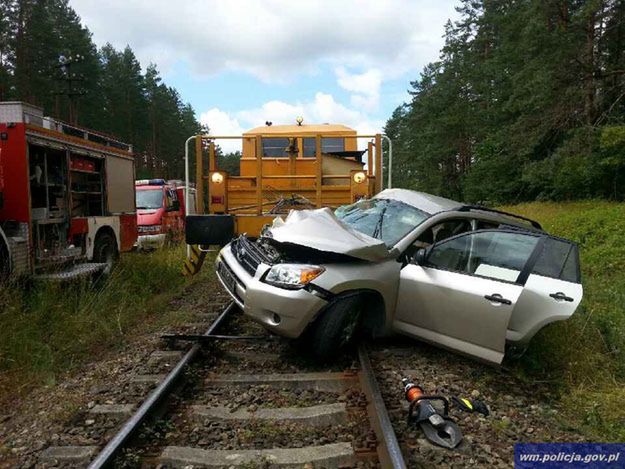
(67, 196)
(160, 212)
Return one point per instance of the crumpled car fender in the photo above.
(380, 277)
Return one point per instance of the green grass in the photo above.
(583, 359)
(47, 329)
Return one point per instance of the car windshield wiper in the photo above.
(377, 232)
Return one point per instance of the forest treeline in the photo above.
(48, 58)
(527, 101)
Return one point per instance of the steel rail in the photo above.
(107, 456)
(383, 424)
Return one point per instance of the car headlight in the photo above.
(292, 275)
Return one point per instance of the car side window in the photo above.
(170, 197)
(486, 225)
(442, 231)
(558, 259)
(499, 255)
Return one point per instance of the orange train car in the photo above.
(282, 167)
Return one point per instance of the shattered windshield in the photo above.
(150, 199)
(384, 219)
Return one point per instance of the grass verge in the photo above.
(47, 329)
(583, 359)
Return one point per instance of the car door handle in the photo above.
(561, 297)
(497, 298)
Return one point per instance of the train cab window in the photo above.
(275, 147)
(310, 147)
(328, 145)
(332, 144)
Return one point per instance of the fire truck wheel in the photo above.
(336, 328)
(4, 261)
(105, 251)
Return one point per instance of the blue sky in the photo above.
(242, 62)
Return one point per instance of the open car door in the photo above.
(552, 292)
(466, 290)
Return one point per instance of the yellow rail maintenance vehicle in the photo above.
(282, 168)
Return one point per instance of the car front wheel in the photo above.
(336, 327)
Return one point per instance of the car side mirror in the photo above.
(420, 257)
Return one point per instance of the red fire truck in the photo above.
(161, 211)
(67, 196)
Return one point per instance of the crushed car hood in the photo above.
(320, 229)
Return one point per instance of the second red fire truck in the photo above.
(161, 212)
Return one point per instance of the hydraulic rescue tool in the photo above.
(436, 426)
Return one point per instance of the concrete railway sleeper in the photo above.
(247, 402)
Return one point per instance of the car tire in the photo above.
(335, 328)
(105, 252)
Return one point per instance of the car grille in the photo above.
(249, 254)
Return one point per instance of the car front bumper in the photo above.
(151, 241)
(284, 312)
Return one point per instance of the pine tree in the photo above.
(48, 58)
(515, 108)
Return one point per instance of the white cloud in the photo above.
(365, 43)
(320, 109)
(366, 87)
(273, 39)
(220, 122)
(277, 112)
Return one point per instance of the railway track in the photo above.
(250, 403)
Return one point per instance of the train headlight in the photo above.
(359, 177)
(217, 178)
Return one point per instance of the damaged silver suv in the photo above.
(466, 278)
